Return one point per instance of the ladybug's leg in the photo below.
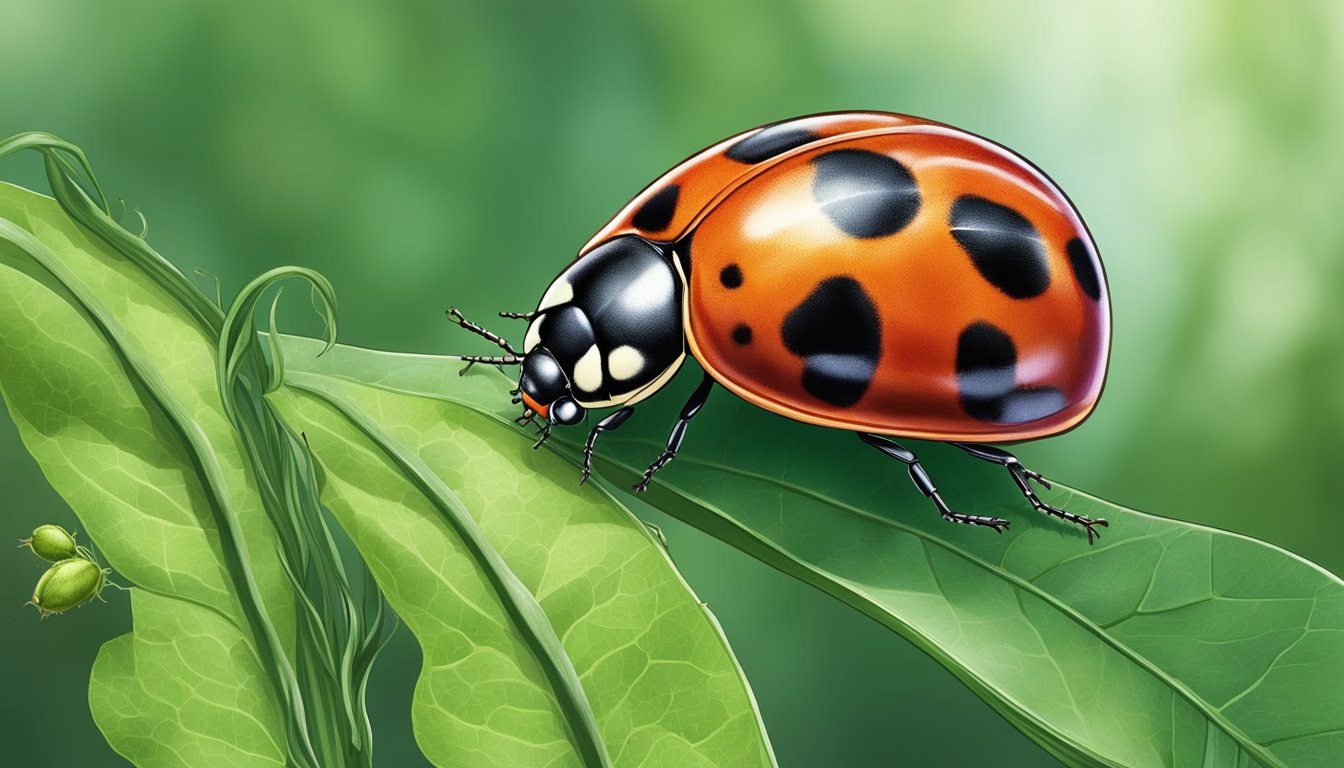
(612, 421)
(924, 483)
(688, 411)
(1021, 476)
(518, 315)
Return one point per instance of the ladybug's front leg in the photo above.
(1021, 475)
(924, 483)
(688, 411)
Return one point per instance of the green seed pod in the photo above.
(67, 584)
(52, 543)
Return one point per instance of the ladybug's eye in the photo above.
(566, 411)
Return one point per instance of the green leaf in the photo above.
(221, 711)
(555, 630)
(419, 484)
(112, 386)
(166, 337)
(1165, 644)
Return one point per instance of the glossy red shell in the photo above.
(983, 316)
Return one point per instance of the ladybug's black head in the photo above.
(545, 389)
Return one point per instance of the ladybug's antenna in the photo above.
(456, 316)
(471, 360)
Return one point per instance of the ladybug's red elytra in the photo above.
(865, 271)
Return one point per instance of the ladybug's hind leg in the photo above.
(1021, 476)
(924, 483)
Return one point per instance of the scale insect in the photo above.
(871, 272)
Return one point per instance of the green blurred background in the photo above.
(421, 154)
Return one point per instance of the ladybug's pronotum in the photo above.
(864, 271)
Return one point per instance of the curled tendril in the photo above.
(238, 336)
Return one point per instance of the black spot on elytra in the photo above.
(1086, 268)
(731, 276)
(1003, 245)
(742, 334)
(656, 212)
(768, 142)
(865, 193)
(837, 332)
(987, 379)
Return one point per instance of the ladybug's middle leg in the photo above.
(1021, 475)
(688, 411)
(924, 483)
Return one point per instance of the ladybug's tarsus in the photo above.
(612, 421)
(1087, 522)
(688, 412)
(997, 523)
(925, 484)
(1021, 476)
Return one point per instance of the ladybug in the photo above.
(865, 271)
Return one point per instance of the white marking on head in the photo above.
(588, 370)
(625, 362)
(533, 337)
(560, 292)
